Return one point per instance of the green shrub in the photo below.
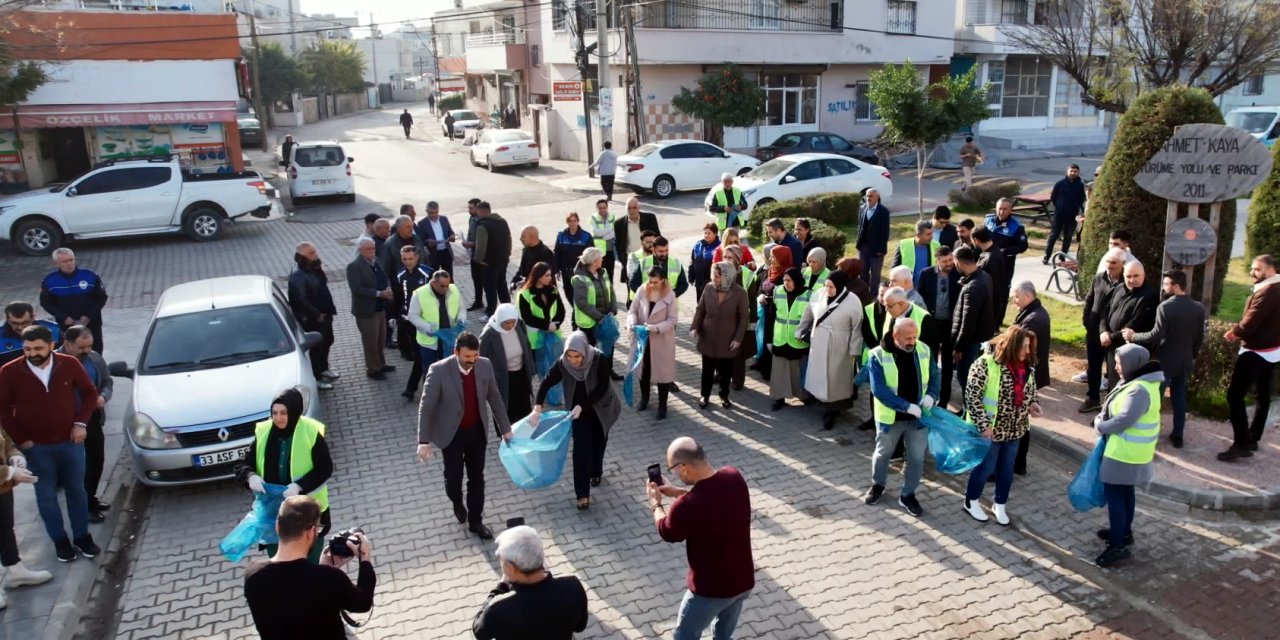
(982, 198)
(1262, 234)
(831, 208)
(1207, 385)
(455, 101)
(1119, 203)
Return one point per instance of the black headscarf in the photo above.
(840, 280)
(797, 277)
(292, 401)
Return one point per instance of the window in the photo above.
(1026, 87)
(1013, 12)
(819, 143)
(558, 13)
(704, 151)
(212, 339)
(902, 16)
(1252, 86)
(1067, 102)
(839, 168)
(790, 98)
(318, 156)
(535, 55)
(678, 152)
(765, 14)
(789, 141)
(865, 109)
(839, 144)
(995, 86)
(146, 177)
(807, 171)
(105, 182)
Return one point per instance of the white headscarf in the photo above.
(505, 312)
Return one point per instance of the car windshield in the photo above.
(318, 156)
(789, 141)
(771, 169)
(212, 339)
(1251, 121)
(511, 136)
(643, 150)
(465, 115)
(250, 123)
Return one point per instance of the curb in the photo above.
(1264, 499)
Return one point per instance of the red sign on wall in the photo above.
(567, 91)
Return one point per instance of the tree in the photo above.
(281, 76)
(925, 116)
(1262, 234)
(723, 98)
(1118, 203)
(334, 66)
(1117, 49)
(18, 78)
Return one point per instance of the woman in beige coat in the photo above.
(832, 320)
(720, 325)
(655, 309)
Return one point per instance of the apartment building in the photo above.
(494, 47)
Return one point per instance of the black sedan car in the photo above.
(250, 131)
(816, 142)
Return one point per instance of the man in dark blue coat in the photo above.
(1068, 202)
(74, 295)
(873, 237)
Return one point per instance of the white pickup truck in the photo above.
(132, 197)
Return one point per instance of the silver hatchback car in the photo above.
(217, 352)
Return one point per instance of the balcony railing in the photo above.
(773, 15)
(495, 39)
(1004, 12)
(194, 6)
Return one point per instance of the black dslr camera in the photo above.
(338, 543)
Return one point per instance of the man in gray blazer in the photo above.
(452, 416)
(1174, 340)
(77, 341)
(370, 297)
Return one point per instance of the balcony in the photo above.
(987, 21)
(742, 15)
(192, 6)
(501, 50)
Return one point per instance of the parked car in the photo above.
(463, 121)
(678, 165)
(216, 353)
(132, 197)
(817, 142)
(320, 168)
(1262, 123)
(504, 148)
(250, 131)
(808, 174)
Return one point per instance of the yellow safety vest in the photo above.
(787, 319)
(722, 199)
(748, 277)
(823, 276)
(585, 321)
(907, 253)
(916, 313)
(300, 463)
(990, 393)
(431, 311)
(599, 228)
(535, 335)
(673, 269)
(883, 414)
(1136, 444)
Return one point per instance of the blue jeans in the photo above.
(699, 612)
(1000, 460)
(1121, 503)
(60, 466)
(915, 439)
(428, 357)
(968, 356)
(1177, 386)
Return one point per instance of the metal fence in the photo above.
(775, 15)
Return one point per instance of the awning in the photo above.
(106, 115)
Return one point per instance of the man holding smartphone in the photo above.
(713, 518)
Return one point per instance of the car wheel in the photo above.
(533, 165)
(489, 163)
(203, 224)
(744, 171)
(763, 201)
(473, 160)
(663, 186)
(37, 237)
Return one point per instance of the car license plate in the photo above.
(323, 181)
(520, 158)
(220, 457)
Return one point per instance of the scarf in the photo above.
(504, 313)
(781, 257)
(578, 342)
(798, 278)
(292, 401)
(726, 282)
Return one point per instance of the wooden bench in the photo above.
(1033, 206)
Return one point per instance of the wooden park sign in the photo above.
(1201, 164)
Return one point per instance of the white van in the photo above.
(320, 168)
(1262, 122)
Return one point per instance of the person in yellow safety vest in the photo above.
(539, 303)
(593, 297)
(789, 350)
(905, 382)
(600, 224)
(662, 258)
(815, 271)
(1001, 400)
(637, 257)
(1130, 421)
(432, 308)
(877, 320)
(728, 204)
(289, 449)
(918, 253)
(750, 283)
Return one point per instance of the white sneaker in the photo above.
(329, 375)
(1104, 385)
(324, 385)
(1081, 377)
(1002, 518)
(975, 511)
(20, 576)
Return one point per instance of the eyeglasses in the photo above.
(672, 468)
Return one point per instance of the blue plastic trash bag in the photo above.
(956, 444)
(1085, 490)
(760, 331)
(607, 334)
(534, 457)
(448, 339)
(629, 383)
(544, 358)
(257, 527)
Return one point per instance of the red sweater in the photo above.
(31, 413)
(470, 401)
(714, 521)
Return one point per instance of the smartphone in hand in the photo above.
(655, 474)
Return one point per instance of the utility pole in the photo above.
(605, 103)
(373, 48)
(579, 19)
(637, 102)
(435, 66)
(257, 76)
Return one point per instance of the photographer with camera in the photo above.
(291, 598)
(530, 604)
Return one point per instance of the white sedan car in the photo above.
(678, 165)
(464, 120)
(504, 148)
(809, 174)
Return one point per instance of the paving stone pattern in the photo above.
(828, 566)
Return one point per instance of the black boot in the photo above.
(662, 401)
(644, 396)
(829, 419)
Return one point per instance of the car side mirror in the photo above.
(310, 339)
(120, 370)
(788, 179)
(71, 191)
(350, 159)
(726, 155)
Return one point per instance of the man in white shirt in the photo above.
(606, 165)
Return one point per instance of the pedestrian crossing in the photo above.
(953, 176)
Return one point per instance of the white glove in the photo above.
(292, 490)
(255, 484)
(577, 411)
(18, 461)
(927, 403)
(432, 327)
(554, 327)
(914, 410)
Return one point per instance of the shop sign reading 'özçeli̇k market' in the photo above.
(41, 116)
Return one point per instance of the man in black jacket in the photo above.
(943, 231)
(535, 251)
(436, 234)
(74, 295)
(973, 320)
(312, 304)
(529, 603)
(940, 288)
(994, 262)
(1094, 307)
(493, 250)
(627, 238)
(411, 276)
(873, 237)
(1132, 306)
(1068, 202)
(1033, 317)
(1175, 339)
